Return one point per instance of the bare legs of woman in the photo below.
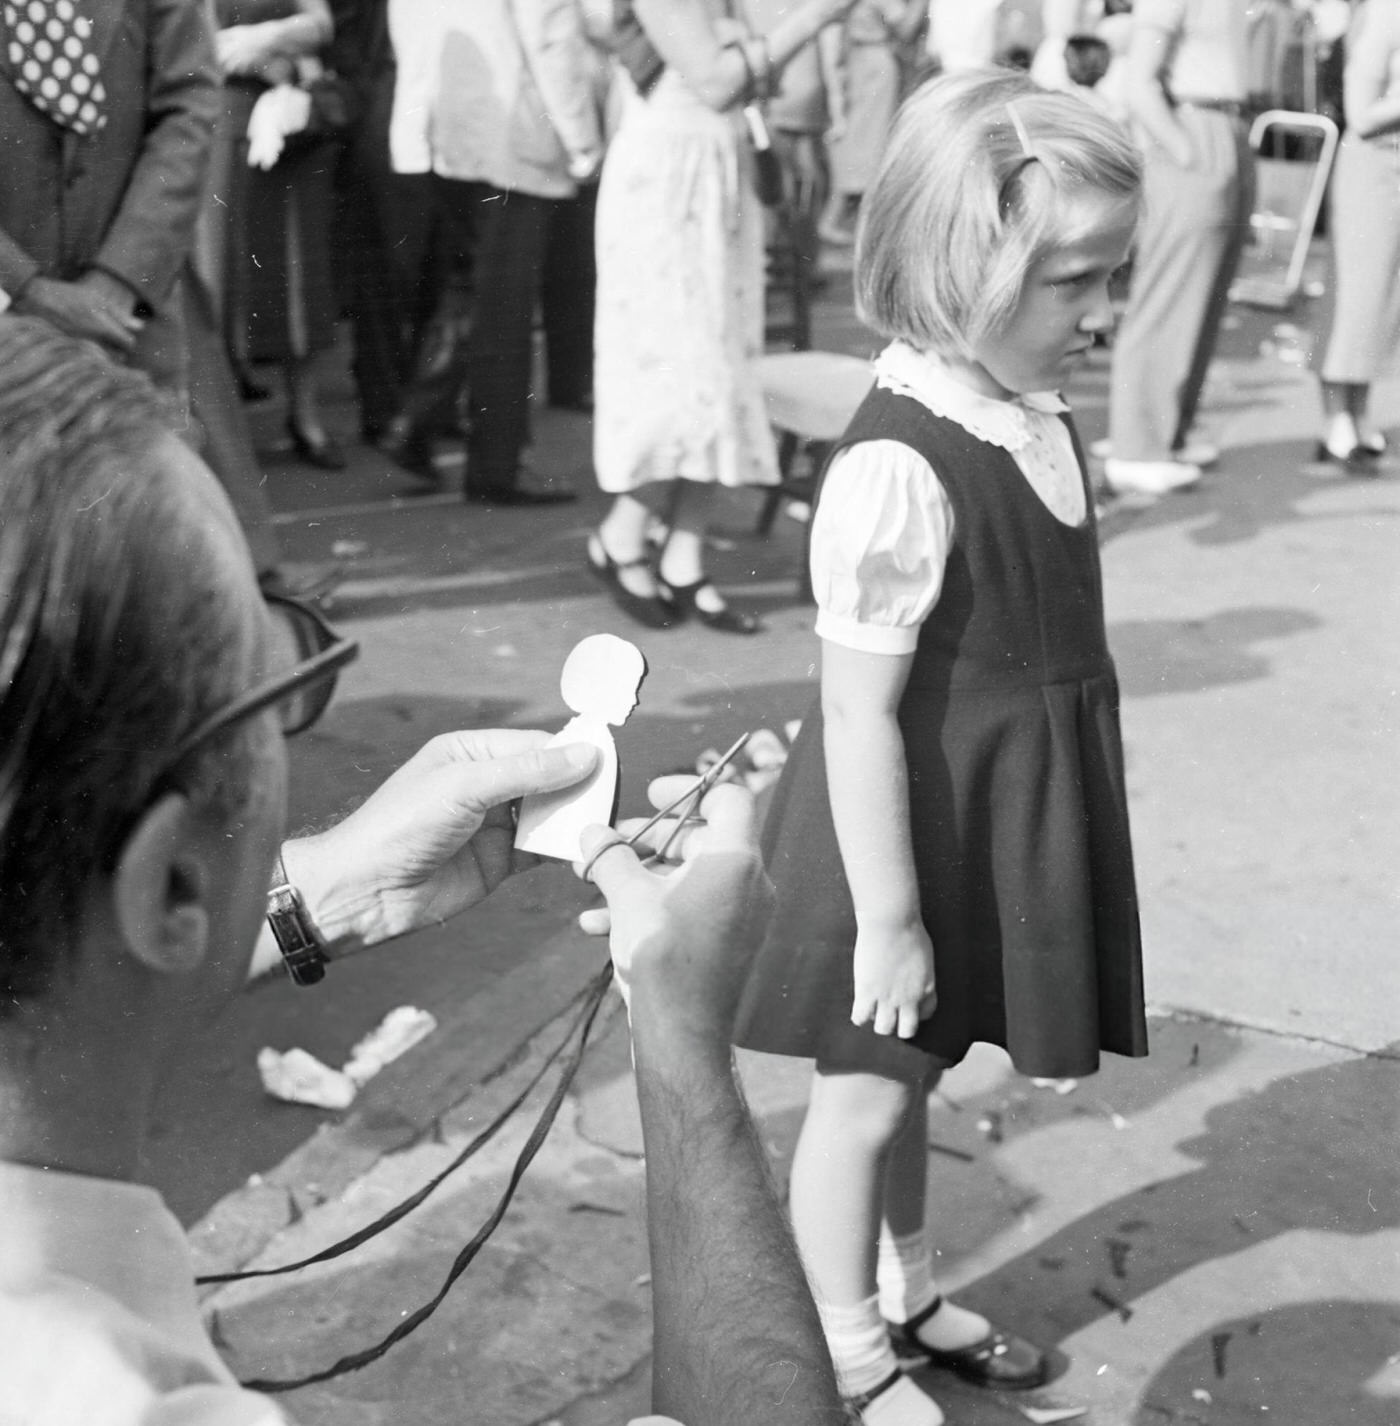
(662, 588)
(1349, 439)
(304, 424)
(858, 1197)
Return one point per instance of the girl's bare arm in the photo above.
(869, 788)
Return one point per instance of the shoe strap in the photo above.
(919, 1318)
(864, 1398)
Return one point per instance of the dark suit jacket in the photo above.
(125, 200)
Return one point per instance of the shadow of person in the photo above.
(1310, 1155)
(1156, 656)
(1329, 1361)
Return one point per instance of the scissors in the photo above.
(692, 796)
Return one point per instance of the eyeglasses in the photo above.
(300, 695)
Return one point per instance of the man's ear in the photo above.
(159, 889)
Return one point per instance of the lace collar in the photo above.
(1006, 423)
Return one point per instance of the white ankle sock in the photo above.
(905, 1275)
(1342, 433)
(860, 1345)
(904, 1404)
(907, 1288)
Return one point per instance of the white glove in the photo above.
(279, 112)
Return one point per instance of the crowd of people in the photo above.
(947, 859)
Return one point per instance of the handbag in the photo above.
(767, 166)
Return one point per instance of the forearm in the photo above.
(736, 1334)
(558, 57)
(1145, 96)
(150, 235)
(1371, 46)
(721, 74)
(796, 30)
(868, 784)
(304, 33)
(345, 926)
(1149, 108)
(1370, 121)
(16, 266)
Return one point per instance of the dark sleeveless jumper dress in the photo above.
(1017, 802)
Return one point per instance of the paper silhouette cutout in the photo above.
(600, 681)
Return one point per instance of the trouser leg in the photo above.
(385, 220)
(568, 285)
(505, 233)
(1228, 132)
(1188, 232)
(221, 429)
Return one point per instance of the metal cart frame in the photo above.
(1288, 201)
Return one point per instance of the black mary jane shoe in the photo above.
(653, 611)
(1362, 459)
(320, 451)
(1001, 1359)
(682, 599)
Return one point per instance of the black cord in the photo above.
(590, 999)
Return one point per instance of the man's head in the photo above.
(128, 614)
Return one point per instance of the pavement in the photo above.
(1210, 1235)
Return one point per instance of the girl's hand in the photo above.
(893, 979)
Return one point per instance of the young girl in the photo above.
(950, 839)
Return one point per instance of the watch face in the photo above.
(303, 952)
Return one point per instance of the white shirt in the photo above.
(503, 92)
(99, 1323)
(963, 33)
(884, 524)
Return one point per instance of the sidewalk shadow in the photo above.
(1311, 1151)
(1261, 487)
(1186, 655)
(1310, 1363)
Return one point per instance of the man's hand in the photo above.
(682, 940)
(437, 837)
(278, 113)
(96, 306)
(244, 49)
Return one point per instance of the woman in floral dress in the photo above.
(678, 406)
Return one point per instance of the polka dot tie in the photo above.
(53, 65)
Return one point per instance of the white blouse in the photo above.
(884, 524)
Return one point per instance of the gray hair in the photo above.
(979, 172)
(114, 642)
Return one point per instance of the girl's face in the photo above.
(1063, 304)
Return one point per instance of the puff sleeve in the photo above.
(880, 541)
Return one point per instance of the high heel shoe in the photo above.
(654, 611)
(1362, 459)
(320, 451)
(682, 598)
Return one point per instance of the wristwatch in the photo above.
(303, 947)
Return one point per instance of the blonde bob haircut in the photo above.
(979, 179)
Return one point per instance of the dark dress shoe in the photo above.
(408, 448)
(512, 495)
(1362, 459)
(681, 599)
(650, 610)
(582, 404)
(320, 451)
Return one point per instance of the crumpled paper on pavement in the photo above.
(296, 1076)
